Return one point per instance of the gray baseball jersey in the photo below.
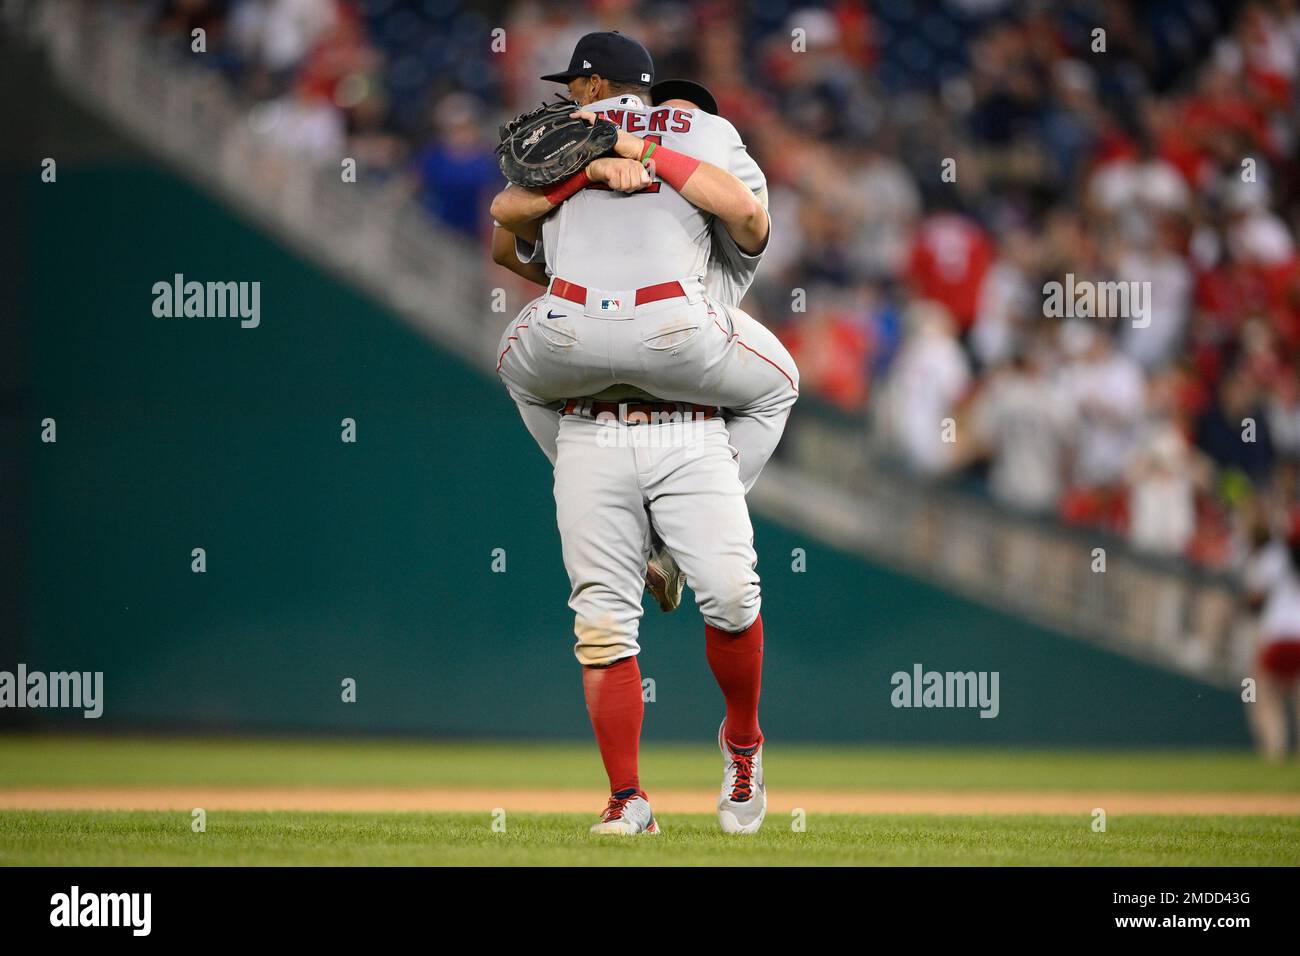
(599, 237)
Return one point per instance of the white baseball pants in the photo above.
(613, 483)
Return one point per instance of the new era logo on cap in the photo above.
(645, 77)
(586, 64)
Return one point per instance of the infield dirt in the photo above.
(444, 799)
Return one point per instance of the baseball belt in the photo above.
(577, 294)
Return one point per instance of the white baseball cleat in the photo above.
(663, 578)
(627, 814)
(743, 801)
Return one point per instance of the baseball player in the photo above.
(755, 429)
(1272, 586)
(627, 337)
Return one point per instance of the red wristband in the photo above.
(567, 187)
(672, 167)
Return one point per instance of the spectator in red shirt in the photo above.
(949, 258)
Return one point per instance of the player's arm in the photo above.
(504, 252)
(703, 185)
(515, 205)
(715, 190)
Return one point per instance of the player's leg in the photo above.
(527, 365)
(1278, 692)
(604, 532)
(545, 356)
(697, 505)
(758, 388)
(542, 422)
(712, 354)
(737, 364)
(1268, 716)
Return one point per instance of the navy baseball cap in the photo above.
(611, 55)
(696, 93)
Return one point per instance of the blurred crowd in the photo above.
(932, 166)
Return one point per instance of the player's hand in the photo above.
(622, 175)
(628, 146)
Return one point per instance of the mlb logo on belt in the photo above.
(611, 305)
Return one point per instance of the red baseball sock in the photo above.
(615, 706)
(736, 660)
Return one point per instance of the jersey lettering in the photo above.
(655, 122)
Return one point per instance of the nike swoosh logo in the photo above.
(554, 315)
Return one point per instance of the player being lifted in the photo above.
(630, 326)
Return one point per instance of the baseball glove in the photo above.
(544, 146)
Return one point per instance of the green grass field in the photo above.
(131, 837)
(462, 839)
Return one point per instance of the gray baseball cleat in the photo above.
(663, 578)
(743, 801)
(626, 814)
